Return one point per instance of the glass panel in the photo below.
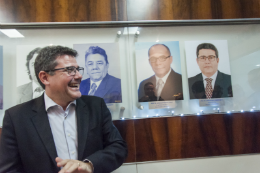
(242, 49)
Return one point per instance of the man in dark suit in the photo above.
(61, 131)
(167, 83)
(210, 83)
(100, 83)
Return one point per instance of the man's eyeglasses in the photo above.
(210, 58)
(71, 70)
(161, 58)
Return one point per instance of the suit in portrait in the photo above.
(222, 87)
(109, 89)
(24, 93)
(172, 89)
(27, 143)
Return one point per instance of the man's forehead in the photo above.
(207, 51)
(66, 59)
(158, 49)
(95, 57)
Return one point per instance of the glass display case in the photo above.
(240, 54)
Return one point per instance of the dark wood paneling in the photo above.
(191, 9)
(62, 10)
(158, 139)
(197, 136)
(122, 10)
(246, 128)
(127, 131)
(205, 135)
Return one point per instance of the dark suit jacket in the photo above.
(172, 89)
(109, 89)
(222, 87)
(27, 143)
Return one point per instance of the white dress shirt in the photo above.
(213, 77)
(97, 83)
(63, 127)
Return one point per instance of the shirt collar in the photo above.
(164, 78)
(214, 76)
(50, 103)
(97, 83)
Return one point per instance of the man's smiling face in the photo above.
(63, 86)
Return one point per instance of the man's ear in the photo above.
(171, 59)
(43, 76)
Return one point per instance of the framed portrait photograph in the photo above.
(28, 86)
(102, 76)
(208, 69)
(158, 70)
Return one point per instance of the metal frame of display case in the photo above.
(140, 23)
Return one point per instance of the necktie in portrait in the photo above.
(93, 89)
(159, 88)
(208, 89)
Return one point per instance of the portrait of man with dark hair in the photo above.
(32, 89)
(100, 83)
(211, 82)
(166, 83)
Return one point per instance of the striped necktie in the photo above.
(93, 89)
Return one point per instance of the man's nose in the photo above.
(157, 61)
(207, 60)
(95, 66)
(78, 75)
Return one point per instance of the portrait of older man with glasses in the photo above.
(210, 83)
(166, 82)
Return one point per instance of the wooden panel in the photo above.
(158, 139)
(126, 129)
(188, 9)
(122, 10)
(197, 136)
(205, 135)
(246, 128)
(62, 10)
